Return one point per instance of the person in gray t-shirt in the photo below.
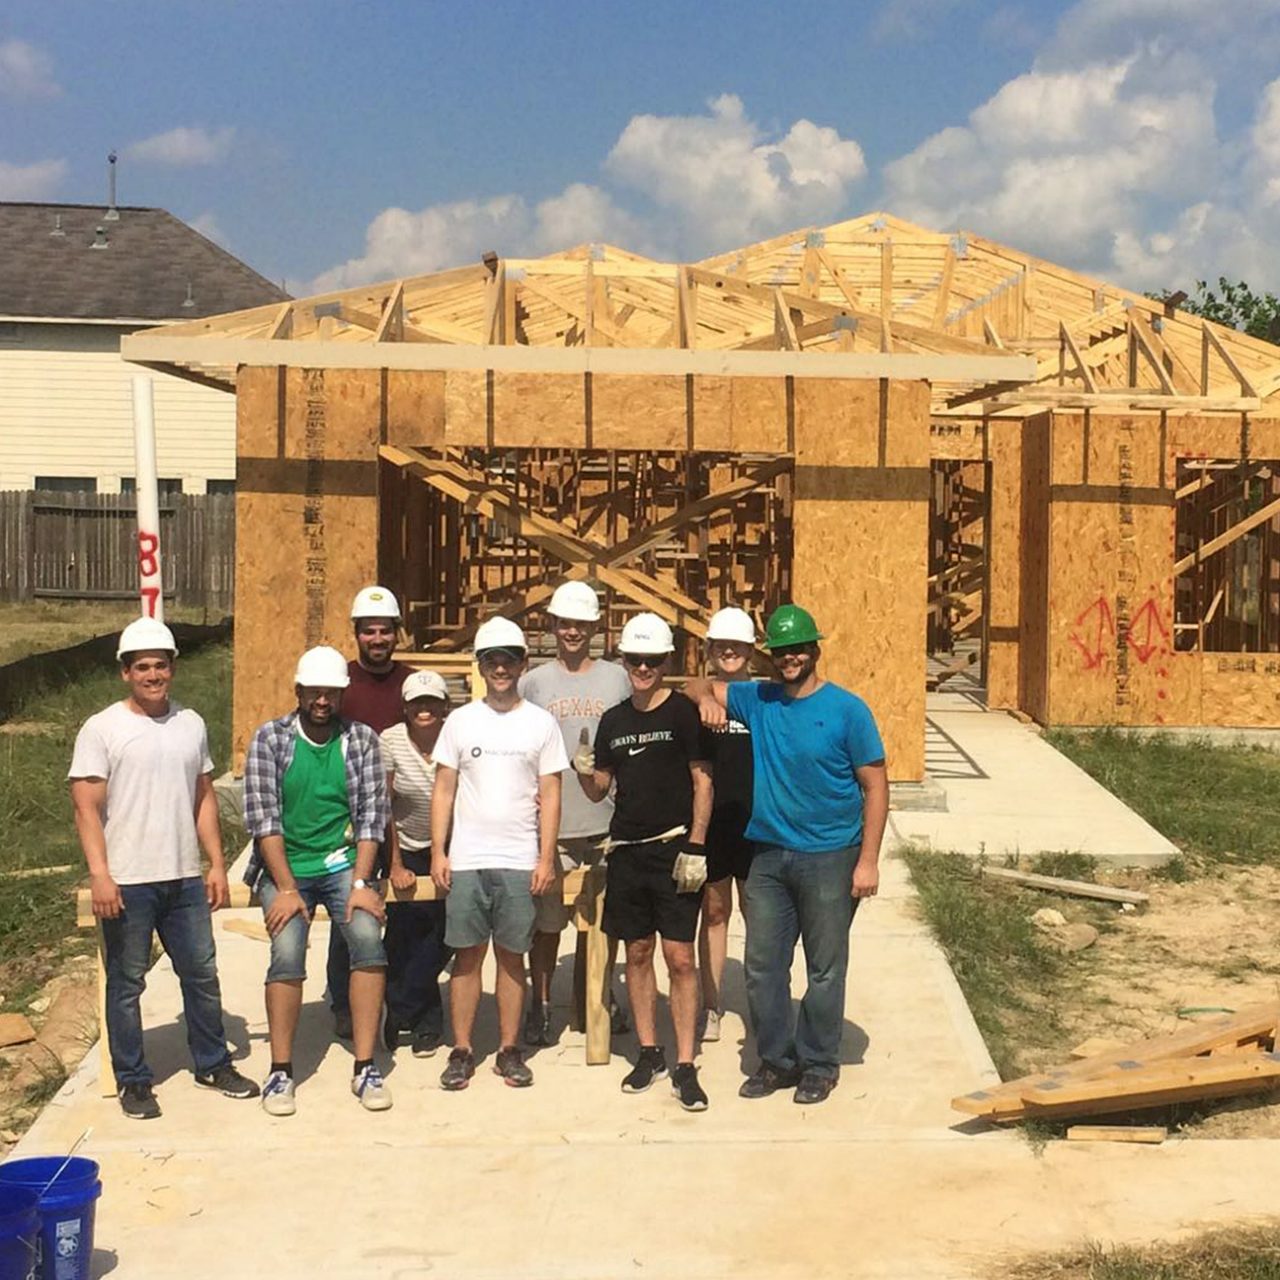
(577, 690)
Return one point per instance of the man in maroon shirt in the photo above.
(372, 698)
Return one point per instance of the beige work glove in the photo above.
(690, 870)
(584, 759)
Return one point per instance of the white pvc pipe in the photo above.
(147, 487)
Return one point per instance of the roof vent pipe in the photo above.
(112, 214)
(100, 240)
(189, 300)
(57, 226)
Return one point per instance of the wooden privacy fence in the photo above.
(83, 546)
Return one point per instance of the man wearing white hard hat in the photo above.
(577, 690)
(651, 747)
(315, 803)
(416, 950)
(498, 766)
(372, 697)
(142, 786)
(731, 637)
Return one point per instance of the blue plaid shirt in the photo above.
(271, 753)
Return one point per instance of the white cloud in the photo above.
(711, 182)
(31, 181)
(26, 72)
(908, 19)
(183, 146)
(208, 226)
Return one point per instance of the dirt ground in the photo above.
(1210, 943)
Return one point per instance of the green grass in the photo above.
(1003, 964)
(37, 916)
(1229, 1253)
(41, 625)
(1217, 803)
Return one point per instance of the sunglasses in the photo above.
(792, 651)
(650, 660)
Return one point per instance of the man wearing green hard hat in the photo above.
(820, 801)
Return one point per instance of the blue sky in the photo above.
(331, 143)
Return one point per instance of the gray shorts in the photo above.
(575, 851)
(495, 904)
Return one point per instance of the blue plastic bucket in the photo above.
(66, 1210)
(19, 1230)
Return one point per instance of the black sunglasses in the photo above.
(651, 660)
(791, 650)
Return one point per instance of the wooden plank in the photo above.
(391, 326)
(1142, 341)
(1086, 374)
(783, 326)
(1247, 386)
(1073, 888)
(886, 294)
(1237, 531)
(591, 910)
(1152, 1134)
(943, 298)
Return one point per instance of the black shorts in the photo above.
(640, 896)
(728, 854)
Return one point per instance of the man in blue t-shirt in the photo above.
(819, 806)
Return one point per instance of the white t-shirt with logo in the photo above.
(499, 756)
(151, 765)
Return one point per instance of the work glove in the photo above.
(584, 759)
(690, 870)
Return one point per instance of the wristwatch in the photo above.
(362, 884)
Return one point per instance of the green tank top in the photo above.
(316, 812)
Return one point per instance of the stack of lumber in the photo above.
(1216, 1058)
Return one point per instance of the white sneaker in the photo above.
(710, 1025)
(371, 1089)
(277, 1095)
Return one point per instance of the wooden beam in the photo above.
(943, 299)
(1246, 385)
(886, 294)
(847, 291)
(686, 310)
(282, 325)
(783, 326)
(1237, 531)
(810, 272)
(1141, 338)
(1072, 888)
(1118, 400)
(1086, 374)
(992, 337)
(391, 326)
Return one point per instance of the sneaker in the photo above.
(425, 1044)
(537, 1024)
(369, 1086)
(511, 1066)
(710, 1026)
(390, 1035)
(277, 1095)
(228, 1082)
(342, 1024)
(650, 1066)
(768, 1079)
(814, 1087)
(138, 1102)
(618, 1023)
(462, 1066)
(684, 1084)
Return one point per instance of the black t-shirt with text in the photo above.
(649, 753)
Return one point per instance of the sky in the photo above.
(331, 144)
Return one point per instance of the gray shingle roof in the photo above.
(143, 273)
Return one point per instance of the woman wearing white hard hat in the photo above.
(731, 637)
(416, 951)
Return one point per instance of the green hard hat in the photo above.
(790, 624)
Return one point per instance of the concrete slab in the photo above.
(1009, 792)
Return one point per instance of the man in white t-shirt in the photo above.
(498, 766)
(142, 786)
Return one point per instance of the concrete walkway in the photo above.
(574, 1179)
(1009, 792)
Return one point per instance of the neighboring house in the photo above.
(73, 280)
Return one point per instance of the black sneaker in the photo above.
(650, 1066)
(461, 1067)
(342, 1024)
(510, 1065)
(684, 1084)
(814, 1087)
(138, 1102)
(537, 1024)
(391, 1035)
(228, 1082)
(768, 1079)
(426, 1044)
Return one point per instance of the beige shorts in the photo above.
(552, 913)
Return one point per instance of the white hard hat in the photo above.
(424, 684)
(322, 668)
(375, 602)
(145, 633)
(732, 624)
(576, 602)
(499, 633)
(646, 633)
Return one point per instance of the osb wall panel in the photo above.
(630, 411)
(1003, 546)
(1033, 567)
(861, 529)
(414, 407)
(306, 523)
(760, 420)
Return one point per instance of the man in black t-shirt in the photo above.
(650, 746)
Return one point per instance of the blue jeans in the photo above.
(178, 912)
(807, 896)
(363, 935)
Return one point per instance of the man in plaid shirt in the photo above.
(315, 803)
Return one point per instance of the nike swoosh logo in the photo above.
(634, 751)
